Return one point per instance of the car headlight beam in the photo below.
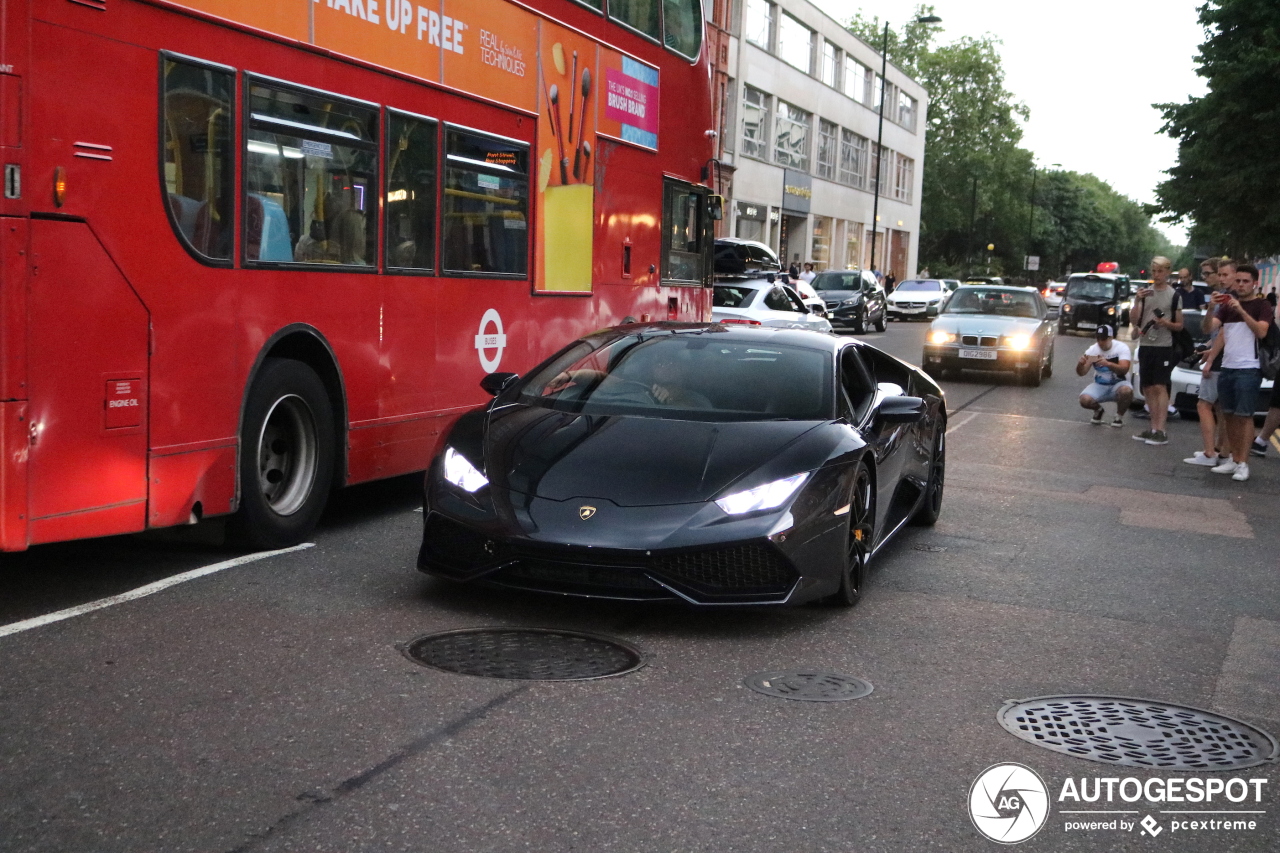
(461, 473)
(1018, 341)
(769, 496)
(940, 337)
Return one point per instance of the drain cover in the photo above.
(809, 686)
(1137, 732)
(528, 654)
(932, 549)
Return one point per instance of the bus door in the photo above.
(87, 376)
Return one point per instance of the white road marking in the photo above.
(955, 426)
(142, 591)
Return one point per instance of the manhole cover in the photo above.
(1137, 732)
(932, 549)
(528, 654)
(809, 686)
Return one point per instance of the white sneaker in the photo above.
(1242, 472)
(1228, 466)
(1201, 459)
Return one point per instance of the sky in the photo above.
(1089, 71)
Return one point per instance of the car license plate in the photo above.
(988, 354)
(1087, 325)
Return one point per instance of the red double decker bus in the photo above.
(253, 250)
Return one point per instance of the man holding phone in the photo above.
(1243, 316)
(1156, 315)
(1110, 361)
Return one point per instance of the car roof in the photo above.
(753, 282)
(1012, 288)
(734, 332)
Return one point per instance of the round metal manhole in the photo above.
(525, 654)
(809, 685)
(1137, 732)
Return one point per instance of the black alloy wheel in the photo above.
(287, 454)
(862, 516)
(931, 506)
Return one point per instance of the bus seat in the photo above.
(267, 230)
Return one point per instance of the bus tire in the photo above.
(286, 456)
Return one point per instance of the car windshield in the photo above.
(1091, 288)
(919, 284)
(838, 281)
(1006, 303)
(687, 376)
(729, 296)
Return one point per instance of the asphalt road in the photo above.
(269, 706)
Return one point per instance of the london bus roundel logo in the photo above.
(495, 340)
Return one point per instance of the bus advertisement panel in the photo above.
(270, 248)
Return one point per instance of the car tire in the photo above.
(880, 324)
(860, 324)
(287, 451)
(1031, 377)
(1047, 370)
(931, 505)
(861, 532)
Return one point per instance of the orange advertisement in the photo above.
(392, 33)
(498, 52)
(288, 19)
(565, 198)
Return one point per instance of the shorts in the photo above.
(1238, 390)
(1156, 365)
(1209, 387)
(1105, 393)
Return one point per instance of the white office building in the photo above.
(801, 136)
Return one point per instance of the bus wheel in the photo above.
(286, 456)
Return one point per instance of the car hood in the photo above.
(984, 324)
(915, 295)
(838, 295)
(631, 461)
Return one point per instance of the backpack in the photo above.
(1269, 352)
(1184, 346)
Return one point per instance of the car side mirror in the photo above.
(902, 410)
(496, 383)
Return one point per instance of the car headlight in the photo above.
(461, 473)
(942, 337)
(857, 300)
(1066, 307)
(1018, 341)
(1111, 309)
(769, 496)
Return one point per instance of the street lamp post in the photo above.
(1031, 218)
(884, 90)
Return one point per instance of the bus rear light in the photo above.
(728, 320)
(59, 185)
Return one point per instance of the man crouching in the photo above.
(1110, 361)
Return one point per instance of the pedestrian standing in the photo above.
(1110, 361)
(1243, 316)
(1156, 315)
(889, 282)
(808, 275)
(1191, 299)
(1272, 423)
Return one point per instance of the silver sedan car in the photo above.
(986, 327)
(760, 302)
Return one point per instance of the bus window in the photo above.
(682, 21)
(310, 179)
(641, 15)
(411, 192)
(486, 204)
(683, 258)
(198, 156)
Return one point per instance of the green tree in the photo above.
(1227, 178)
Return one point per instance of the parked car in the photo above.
(1184, 388)
(853, 298)
(737, 259)
(1093, 298)
(1053, 292)
(692, 462)
(763, 302)
(916, 297)
(983, 327)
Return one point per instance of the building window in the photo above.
(877, 91)
(853, 245)
(755, 123)
(855, 79)
(853, 159)
(880, 166)
(198, 157)
(759, 21)
(828, 145)
(640, 15)
(821, 251)
(486, 205)
(795, 43)
(903, 177)
(411, 192)
(311, 167)
(829, 63)
(791, 137)
(907, 111)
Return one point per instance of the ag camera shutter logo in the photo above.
(1008, 803)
